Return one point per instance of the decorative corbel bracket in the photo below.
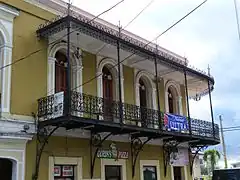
(192, 156)
(136, 146)
(96, 142)
(43, 136)
(169, 147)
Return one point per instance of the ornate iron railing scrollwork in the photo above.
(168, 148)
(98, 108)
(96, 141)
(136, 146)
(192, 157)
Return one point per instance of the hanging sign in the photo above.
(58, 104)
(112, 153)
(175, 122)
(179, 158)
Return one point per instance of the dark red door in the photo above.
(177, 173)
(60, 72)
(143, 103)
(107, 94)
(170, 101)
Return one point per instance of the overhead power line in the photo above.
(34, 52)
(230, 130)
(174, 24)
(139, 14)
(232, 127)
(135, 17)
(237, 18)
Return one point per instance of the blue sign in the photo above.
(175, 122)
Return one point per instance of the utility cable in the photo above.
(32, 53)
(230, 130)
(232, 127)
(135, 17)
(237, 18)
(174, 24)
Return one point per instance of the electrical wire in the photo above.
(230, 130)
(232, 127)
(237, 18)
(135, 17)
(174, 24)
(32, 53)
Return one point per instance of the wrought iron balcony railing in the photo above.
(91, 107)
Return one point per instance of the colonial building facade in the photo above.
(84, 99)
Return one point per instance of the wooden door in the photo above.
(143, 103)
(177, 173)
(60, 72)
(107, 94)
(170, 102)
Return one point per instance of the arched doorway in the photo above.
(172, 100)
(107, 80)
(60, 72)
(6, 168)
(143, 102)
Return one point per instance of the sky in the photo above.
(207, 37)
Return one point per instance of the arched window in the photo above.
(6, 167)
(60, 72)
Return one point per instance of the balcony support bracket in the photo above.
(169, 147)
(43, 135)
(136, 146)
(192, 156)
(96, 142)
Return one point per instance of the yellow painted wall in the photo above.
(129, 89)
(29, 76)
(162, 95)
(89, 73)
(76, 147)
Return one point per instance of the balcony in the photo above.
(103, 114)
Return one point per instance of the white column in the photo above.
(122, 89)
(137, 94)
(180, 111)
(154, 98)
(51, 76)
(155, 107)
(166, 102)
(77, 78)
(6, 57)
(99, 84)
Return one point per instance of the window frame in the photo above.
(75, 161)
(112, 162)
(153, 163)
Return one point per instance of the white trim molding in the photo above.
(7, 14)
(14, 150)
(184, 170)
(151, 88)
(112, 162)
(175, 87)
(109, 63)
(155, 163)
(77, 161)
(75, 63)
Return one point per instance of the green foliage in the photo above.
(211, 157)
